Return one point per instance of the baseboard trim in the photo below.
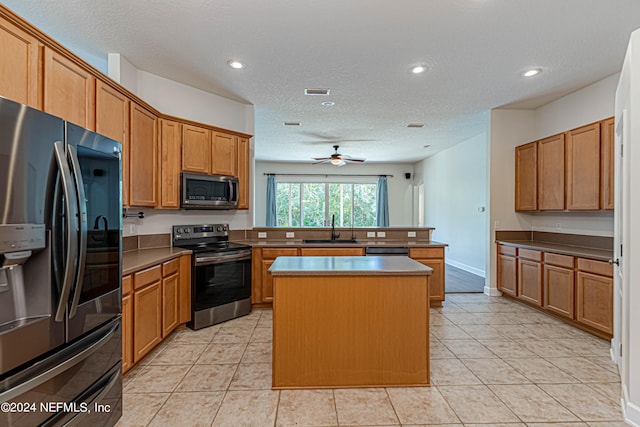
(465, 267)
(492, 292)
(630, 411)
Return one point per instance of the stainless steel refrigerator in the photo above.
(60, 272)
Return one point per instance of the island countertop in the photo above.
(347, 265)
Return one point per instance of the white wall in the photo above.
(455, 190)
(400, 189)
(179, 100)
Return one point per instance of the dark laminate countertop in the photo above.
(597, 254)
(140, 259)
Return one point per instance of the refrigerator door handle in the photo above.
(72, 227)
(82, 216)
(38, 380)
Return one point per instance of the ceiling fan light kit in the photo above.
(338, 159)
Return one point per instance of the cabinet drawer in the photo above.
(276, 252)
(146, 277)
(565, 261)
(530, 254)
(507, 250)
(331, 251)
(426, 252)
(127, 285)
(596, 267)
(170, 267)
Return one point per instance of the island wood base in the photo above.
(350, 331)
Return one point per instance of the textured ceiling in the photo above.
(475, 52)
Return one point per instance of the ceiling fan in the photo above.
(338, 159)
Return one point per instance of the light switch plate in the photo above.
(411, 234)
(381, 234)
(371, 234)
(262, 234)
(290, 234)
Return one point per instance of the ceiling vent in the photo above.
(317, 92)
(291, 123)
(415, 125)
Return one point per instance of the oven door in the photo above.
(219, 279)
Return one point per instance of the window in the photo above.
(310, 204)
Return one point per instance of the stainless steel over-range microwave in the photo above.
(209, 191)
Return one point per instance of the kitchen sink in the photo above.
(331, 242)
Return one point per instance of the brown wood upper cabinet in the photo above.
(143, 177)
(196, 149)
(526, 177)
(223, 154)
(112, 120)
(551, 173)
(583, 168)
(169, 164)
(243, 172)
(69, 90)
(607, 142)
(18, 65)
(571, 171)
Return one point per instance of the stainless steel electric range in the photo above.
(220, 273)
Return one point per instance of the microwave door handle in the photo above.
(82, 215)
(71, 223)
(232, 193)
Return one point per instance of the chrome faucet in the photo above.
(334, 235)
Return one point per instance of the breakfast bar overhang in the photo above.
(350, 321)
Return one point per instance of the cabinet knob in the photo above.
(616, 262)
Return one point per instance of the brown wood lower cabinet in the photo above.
(559, 284)
(152, 306)
(434, 258)
(507, 270)
(530, 276)
(595, 295)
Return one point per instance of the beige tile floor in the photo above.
(493, 362)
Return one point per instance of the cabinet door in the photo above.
(436, 280)
(559, 290)
(332, 251)
(223, 157)
(243, 172)
(18, 65)
(196, 149)
(594, 303)
(127, 333)
(264, 258)
(185, 289)
(583, 168)
(507, 275)
(68, 90)
(526, 177)
(112, 120)
(143, 158)
(147, 319)
(530, 281)
(551, 173)
(169, 167)
(170, 316)
(607, 158)
(267, 281)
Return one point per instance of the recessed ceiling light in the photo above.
(532, 72)
(291, 123)
(418, 69)
(328, 103)
(235, 64)
(317, 91)
(415, 125)
(427, 146)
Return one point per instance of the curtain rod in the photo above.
(322, 174)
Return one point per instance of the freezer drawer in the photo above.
(66, 386)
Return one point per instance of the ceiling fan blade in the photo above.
(321, 161)
(322, 158)
(354, 160)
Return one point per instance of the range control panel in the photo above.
(182, 232)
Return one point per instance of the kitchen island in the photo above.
(350, 321)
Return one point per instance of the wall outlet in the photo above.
(558, 226)
(262, 234)
(381, 234)
(411, 234)
(132, 229)
(290, 234)
(371, 234)
(496, 225)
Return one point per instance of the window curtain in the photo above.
(382, 205)
(272, 213)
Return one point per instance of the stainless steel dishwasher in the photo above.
(389, 251)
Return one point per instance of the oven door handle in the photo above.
(219, 259)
